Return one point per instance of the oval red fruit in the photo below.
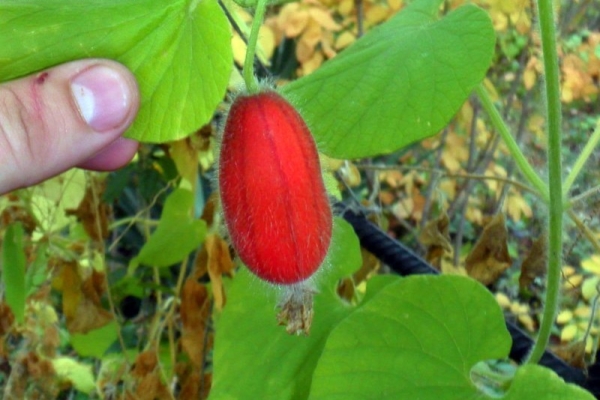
(272, 192)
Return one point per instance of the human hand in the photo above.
(71, 115)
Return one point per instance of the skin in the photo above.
(43, 131)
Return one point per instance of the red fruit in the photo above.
(272, 192)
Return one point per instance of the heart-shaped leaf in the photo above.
(176, 235)
(255, 358)
(400, 83)
(419, 338)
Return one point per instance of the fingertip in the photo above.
(115, 156)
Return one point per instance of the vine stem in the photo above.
(500, 126)
(581, 160)
(555, 206)
(248, 73)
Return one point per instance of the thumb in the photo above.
(66, 116)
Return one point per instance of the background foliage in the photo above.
(114, 283)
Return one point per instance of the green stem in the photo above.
(555, 207)
(581, 160)
(249, 78)
(498, 122)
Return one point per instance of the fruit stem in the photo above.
(248, 73)
(555, 206)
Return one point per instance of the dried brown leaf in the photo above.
(92, 212)
(370, 264)
(489, 258)
(572, 353)
(193, 384)
(6, 319)
(149, 385)
(436, 236)
(219, 263)
(195, 312)
(81, 299)
(16, 213)
(534, 265)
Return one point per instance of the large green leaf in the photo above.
(535, 382)
(13, 270)
(420, 338)
(179, 51)
(176, 235)
(398, 84)
(95, 342)
(255, 358)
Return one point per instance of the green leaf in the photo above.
(13, 270)
(343, 257)
(535, 382)
(399, 84)
(37, 273)
(179, 51)
(78, 374)
(420, 338)
(254, 358)
(95, 342)
(176, 235)
(252, 3)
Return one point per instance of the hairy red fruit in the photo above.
(272, 192)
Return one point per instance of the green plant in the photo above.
(418, 336)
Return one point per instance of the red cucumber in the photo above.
(274, 201)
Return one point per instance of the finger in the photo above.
(61, 117)
(115, 156)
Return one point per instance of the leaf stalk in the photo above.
(248, 72)
(554, 165)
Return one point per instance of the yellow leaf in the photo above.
(568, 270)
(568, 333)
(312, 64)
(592, 264)
(266, 43)
(344, 40)
(503, 300)
(292, 19)
(573, 281)
(588, 289)
(376, 14)
(517, 207)
(312, 35)
(395, 4)
(583, 311)
(324, 19)
(564, 316)
(239, 49)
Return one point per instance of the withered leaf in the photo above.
(572, 353)
(534, 264)
(489, 258)
(17, 213)
(193, 384)
(7, 319)
(149, 385)
(185, 157)
(436, 236)
(81, 298)
(215, 258)
(195, 312)
(370, 264)
(93, 212)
